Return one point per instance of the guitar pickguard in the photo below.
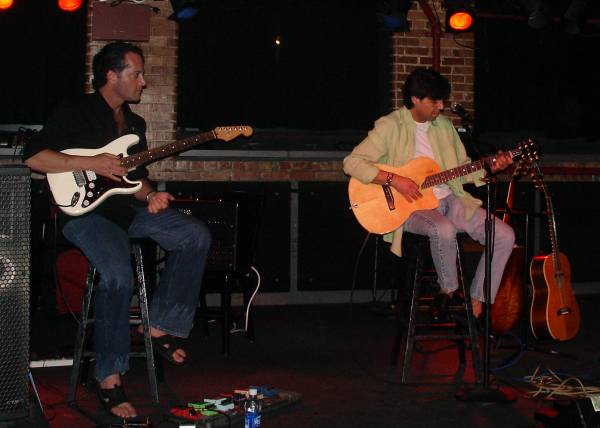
(94, 187)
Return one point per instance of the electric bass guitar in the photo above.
(382, 209)
(554, 309)
(79, 192)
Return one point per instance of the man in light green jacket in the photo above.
(419, 130)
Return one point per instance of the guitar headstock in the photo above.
(529, 150)
(228, 133)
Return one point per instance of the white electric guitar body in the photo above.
(79, 192)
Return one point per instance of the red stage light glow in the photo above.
(69, 5)
(5, 4)
(460, 21)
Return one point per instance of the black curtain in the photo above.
(323, 76)
(42, 59)
(540, 82)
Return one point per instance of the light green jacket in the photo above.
(392, 142)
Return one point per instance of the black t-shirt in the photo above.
(88, 123)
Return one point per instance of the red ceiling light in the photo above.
(5, 4)
(460, 16)
(460, 21)
(69, 5)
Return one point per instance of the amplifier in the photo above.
(233, 221)
(15, 184)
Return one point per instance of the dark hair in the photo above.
(111, 57)
(422, 83)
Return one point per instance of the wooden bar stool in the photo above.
(416, 249)
(137, 315)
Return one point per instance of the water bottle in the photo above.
(252, 408)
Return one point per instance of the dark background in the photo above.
(541, 83)
(330, 73)
(43, 59)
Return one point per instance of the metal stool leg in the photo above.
(80, 339)
(85, 320)
(411, 335)
(409, 341)
(469, 313)
(139, 264)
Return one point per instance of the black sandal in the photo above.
(166, 346)
(112, 397)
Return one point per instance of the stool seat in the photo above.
(137, 316)
(415, 250)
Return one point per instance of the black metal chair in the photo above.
(416, 251)
(138, 315)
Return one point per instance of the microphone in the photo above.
(460, 110)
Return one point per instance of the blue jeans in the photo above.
(442, 225)
(186, 240)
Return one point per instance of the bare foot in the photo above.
(178, 354)
(122, 410)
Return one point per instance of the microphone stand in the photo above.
(484, 393)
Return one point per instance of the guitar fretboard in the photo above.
(551, 222)
(152, 155)
(461, 171)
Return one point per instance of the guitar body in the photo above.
(79, 192)
(510, 300)
(554, 309)
(379, 214)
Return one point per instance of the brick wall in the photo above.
(415, 49)
(158, 105)
(159, 100)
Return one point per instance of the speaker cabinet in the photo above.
(233, 220)
(15, 186)
(272, 199)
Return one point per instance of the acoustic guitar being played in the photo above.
(554, 309)
(381, 209)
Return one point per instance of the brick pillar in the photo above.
(414, 49)
(159, 100)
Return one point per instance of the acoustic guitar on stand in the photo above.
(381, 209)
(554, 309)
(510, 299)
(79, 192)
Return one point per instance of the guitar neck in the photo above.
(541, 184)
(147, 156)
(552, 230)
(460, 171)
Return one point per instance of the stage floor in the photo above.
(338, 359)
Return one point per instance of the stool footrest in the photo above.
(441, 336)
(415, 325)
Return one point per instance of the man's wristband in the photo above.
(389, 178)
(149, 193)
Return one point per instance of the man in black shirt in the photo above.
(103, 233)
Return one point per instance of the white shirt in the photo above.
(423, 149)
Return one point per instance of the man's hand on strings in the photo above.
(406, 187)
(107, 165)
